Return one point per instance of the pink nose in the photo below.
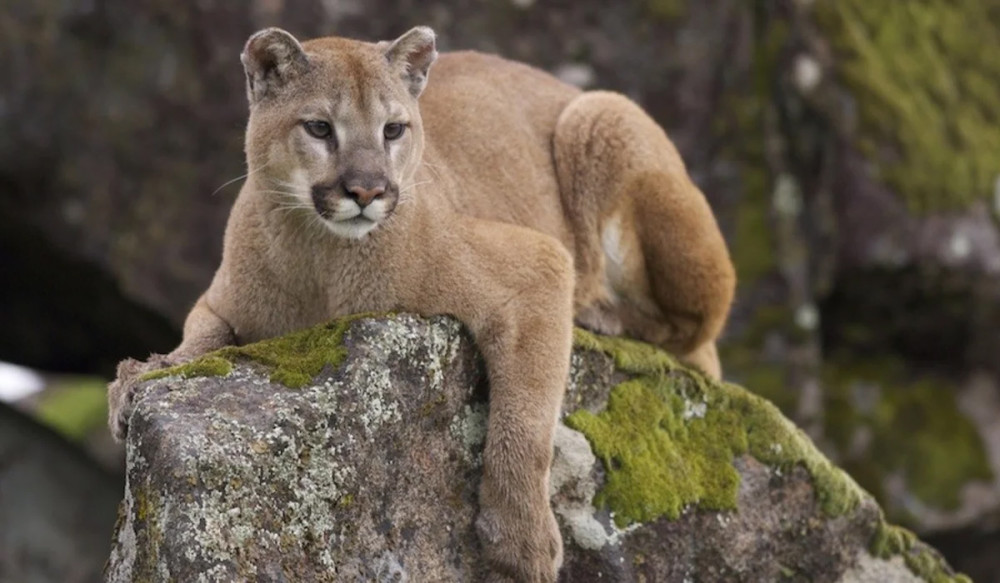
(364, 196)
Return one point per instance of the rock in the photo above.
(368, 470)
(57, 507)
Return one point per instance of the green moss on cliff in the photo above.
(667, 10)
(292, 360)
(207, 366)
(669, 436)
(741, 129)
(746, 362)
(879, 421)
(889, 541)
(753, 247)
(928, 99)
(914, 427)
(149, 533)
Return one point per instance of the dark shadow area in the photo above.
(973, 551)
(918, 314)
(63, 314)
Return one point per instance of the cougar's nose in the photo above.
(363, 194)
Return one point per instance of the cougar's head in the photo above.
(334, 125)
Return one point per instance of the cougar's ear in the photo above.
(271, 58)
(412, 55)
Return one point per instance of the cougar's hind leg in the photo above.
(675, 282)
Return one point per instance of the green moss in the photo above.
(149, 537)
(914, 425)
(206, 366)
(663, 452)
(928, 100)
(75, 407)
(668, 438)
(741, 128)
(890, 541)
(753, 246)
(658, 464)
(292, 360)
(916, 430)
(744, 360)
(666, 10)
(628, 355)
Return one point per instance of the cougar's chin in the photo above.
(353, 228)
(354, 222)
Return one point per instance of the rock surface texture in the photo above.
(369, 470)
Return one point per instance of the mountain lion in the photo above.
(502, 196)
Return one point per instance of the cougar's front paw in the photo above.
(600, 318)
(521, 543)
(121, 392)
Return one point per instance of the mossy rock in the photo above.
(680, 454)
(927, 94)
(668, 440)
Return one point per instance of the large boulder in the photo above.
(351, 452)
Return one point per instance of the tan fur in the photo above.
(512, 201)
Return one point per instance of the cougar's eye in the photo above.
(393, 131)
(318, 129)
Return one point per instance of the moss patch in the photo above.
(929, 101)
(292, 360)
(75, 407)
(921, 560)
(741, 129)
(669, 436)
(916, 429)
(666, 10)
(206, 366)
(745, 360)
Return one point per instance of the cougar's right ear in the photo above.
(271, 58)
(412, 56)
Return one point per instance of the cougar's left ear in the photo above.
(412, 55)
(271, 58)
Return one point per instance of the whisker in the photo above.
(242, 176)
(410, 187)
(433, 168)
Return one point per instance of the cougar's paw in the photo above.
(521, 544)
(599, 319)
(121, 391)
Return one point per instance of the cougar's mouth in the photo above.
(346, 220)
(344, 216)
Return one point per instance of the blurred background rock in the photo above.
(851, 150)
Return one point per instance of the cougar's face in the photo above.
(341, 139)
